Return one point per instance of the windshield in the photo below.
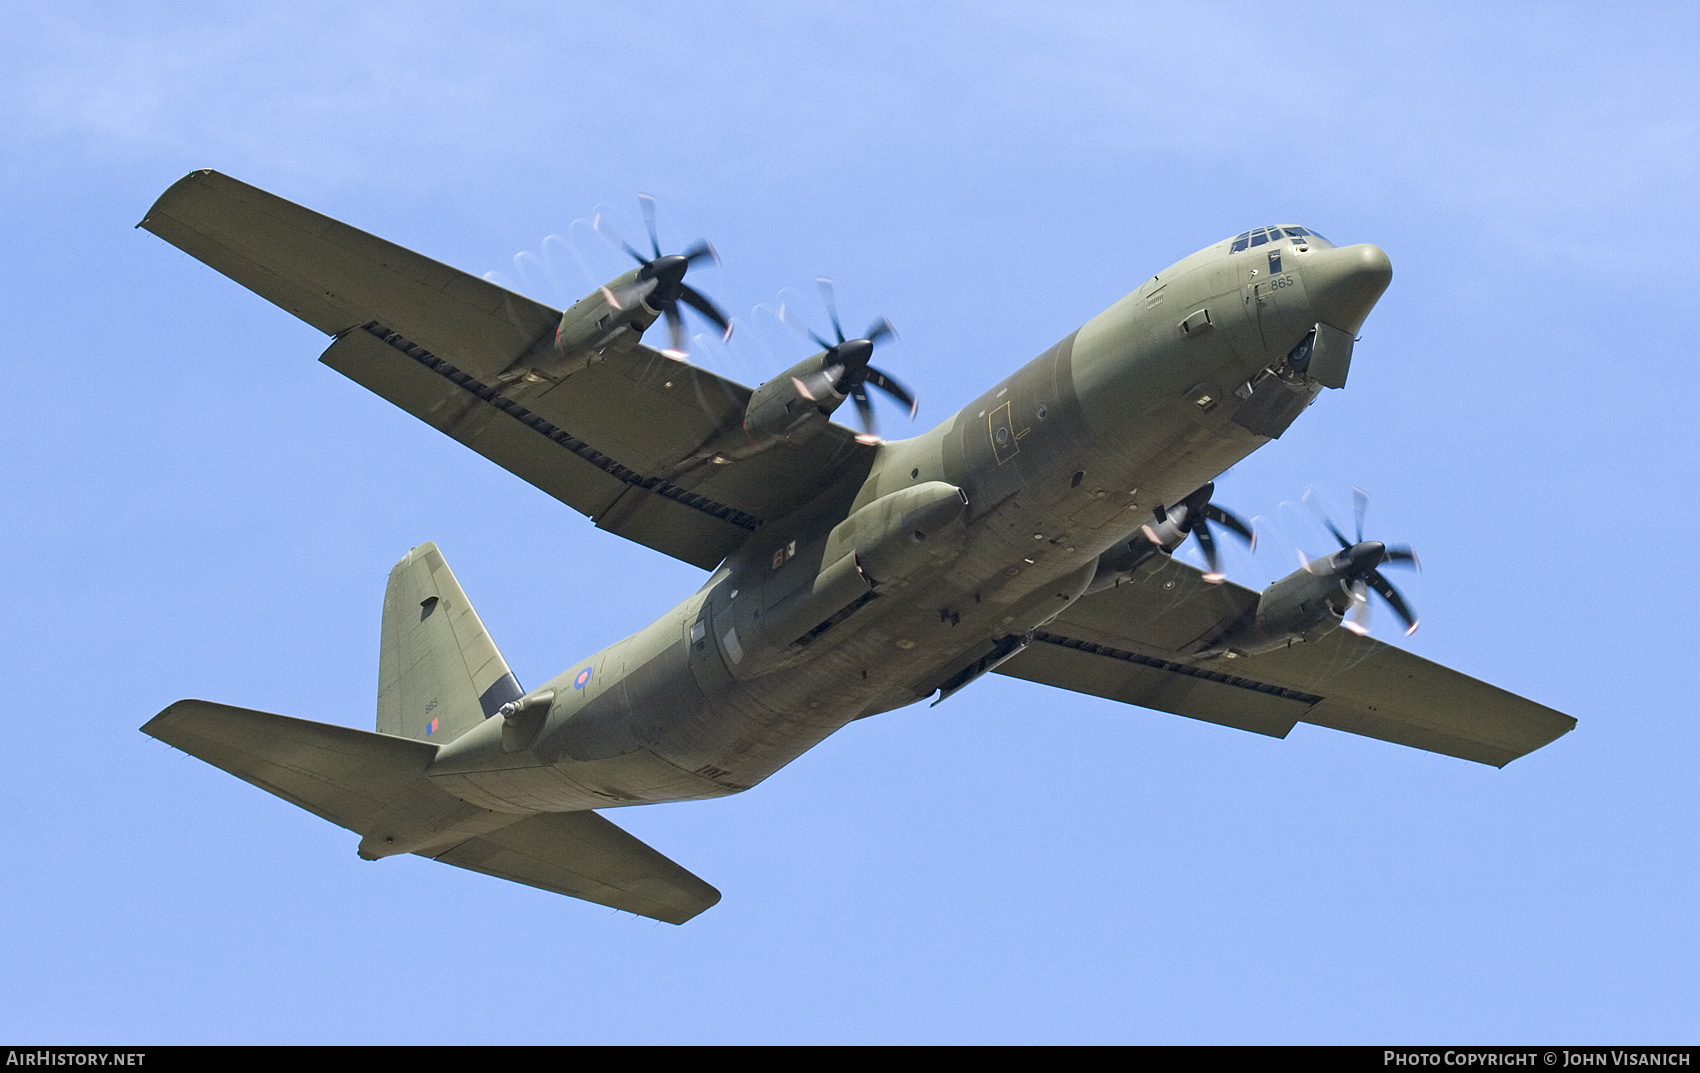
(1264, 235)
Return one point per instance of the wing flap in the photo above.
(1148, 683)
(582, 855)
(509, 442)
(671, 527)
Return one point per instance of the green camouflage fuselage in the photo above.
(912, 576)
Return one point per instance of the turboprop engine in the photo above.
(1321, 596)
(1167, 530)
(615, 315)
(795, 404)
(1300, 607)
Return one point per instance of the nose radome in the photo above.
(1344, 283)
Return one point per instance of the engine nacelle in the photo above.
(794, 405)
(612, 317)
(1301, 606)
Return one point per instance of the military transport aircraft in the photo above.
(1030, 534)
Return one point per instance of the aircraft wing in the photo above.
(1130, 644)
(607, 441)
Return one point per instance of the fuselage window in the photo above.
(1274, 262)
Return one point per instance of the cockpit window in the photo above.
(1265, 235)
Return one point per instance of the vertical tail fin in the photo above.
(439, 673)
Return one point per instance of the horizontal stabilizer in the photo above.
(349, 777)
(582, 855)
(375, 785)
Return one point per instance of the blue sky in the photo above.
(192, 506)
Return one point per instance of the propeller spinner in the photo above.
(1358, 565)
(850, 358)
(661, 281)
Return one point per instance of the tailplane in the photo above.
(375, 785)
(439, 675)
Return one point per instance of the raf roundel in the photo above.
(582, 680)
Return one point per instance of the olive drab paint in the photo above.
(1026, 534)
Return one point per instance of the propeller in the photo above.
(1358, 564)
(850, 358)
(1195, 515)
(661, 281)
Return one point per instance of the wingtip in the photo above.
(165, 717)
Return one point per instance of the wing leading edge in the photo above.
(1130, 644)
(615, 441)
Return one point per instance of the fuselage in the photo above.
(1058, 464)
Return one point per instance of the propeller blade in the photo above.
(1207, 544)
(646, 202)
(1357, 616)
(1226, 519)
(795, 323)
(1344, 543)
(864, 407)
(1394, 600)
(1360, 504)
(1310, 501)
(831, 304)
(694, 298)
(1401, 554)
(879, 329)
(699, 251)
(893, 388)
(602, 227)
(675, 330)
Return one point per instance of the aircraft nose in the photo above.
(1344, 283)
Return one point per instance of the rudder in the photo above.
(439, 673)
